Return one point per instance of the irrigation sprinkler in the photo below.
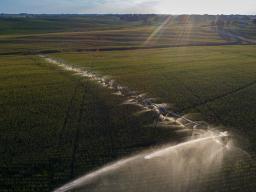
(198, 127)
(224, 138)
(161, 111)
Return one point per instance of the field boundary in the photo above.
(220, 96)
(77, 133)
(67, 114)
(52, 51)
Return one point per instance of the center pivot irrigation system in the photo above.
(164, 115)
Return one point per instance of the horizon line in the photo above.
(195, 14)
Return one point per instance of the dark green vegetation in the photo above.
(28, 24)
(219, 82)
(55, 126)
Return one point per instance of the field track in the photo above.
(220, 96)
(67, 116)
(77, 133)
(122, 48)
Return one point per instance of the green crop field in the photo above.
(44, 112)
(43, 109)
(56, 125)
(209, 80)
(172, 35)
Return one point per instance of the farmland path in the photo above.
(52, 51)
(253, 83)
(238, 38)
(77, 132)
(67, 115)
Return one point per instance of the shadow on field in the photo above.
(97, 130)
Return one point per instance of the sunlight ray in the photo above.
(158, 30)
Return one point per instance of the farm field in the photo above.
(106, 32)
(44, 112)
(57, 125)
(133, 37)
(40, 107)
(209, 80)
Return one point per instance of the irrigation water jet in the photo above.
(179, 169)
(92, 175)
(222, 139)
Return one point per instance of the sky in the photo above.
(129, 6)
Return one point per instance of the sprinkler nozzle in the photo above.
(224, 138)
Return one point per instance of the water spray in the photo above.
(221, 138)
(142, 100)
(201, 134)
